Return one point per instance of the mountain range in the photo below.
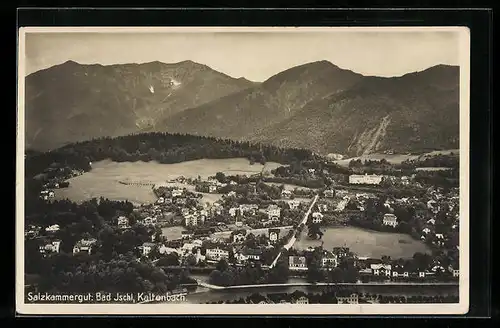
(73, 102)
(317, 106)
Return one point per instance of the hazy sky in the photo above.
(255, 56)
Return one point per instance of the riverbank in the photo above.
(206, 295)
(302, 284)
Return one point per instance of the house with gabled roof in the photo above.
(274, 235)
(381, 269)
(297, 262)
(84, 246)
(50, 247)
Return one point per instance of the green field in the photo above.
(173, 233)
(103, 179)
(366, 243)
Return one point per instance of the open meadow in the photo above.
(173, 233)
(365, 243)
(103, 179)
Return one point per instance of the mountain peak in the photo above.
(190, 63)
(70, 62)
(308, 71)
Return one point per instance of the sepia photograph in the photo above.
(238, 170)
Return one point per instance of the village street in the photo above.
(293, 239)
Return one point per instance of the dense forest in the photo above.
(162, 147)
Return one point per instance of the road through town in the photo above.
(293, 239)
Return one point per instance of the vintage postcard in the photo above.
(204, 171)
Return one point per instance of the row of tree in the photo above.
(162, 147)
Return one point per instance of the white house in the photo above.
(328, 193)
(390, 220)
(329, 260)
(84, 245)
(216, 254)
(454, 271)
(180, 201)
(274, 235)
(187, 234)
(248, 208)
(317, 217)
(302, 300)
(439, 236)
(147, 248)
(426, 230)
(252, 254)
(381, 269)
(44, 194)
(233, 211)
(365, 179)
(167, 250)
(286, 193)
(273, 212)
(52, 247)
(351, 299)
(194, 220)
(240, 257)
(239, 237)
(212, 189)
(52, 228)
(122, 222)
(322, 208)
(400, 272)
(177, 192)
(149, 221)
(293, 204)
(188, 248)
(297, 262)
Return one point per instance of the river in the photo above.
(203, 295)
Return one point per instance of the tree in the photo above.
(422, 261)
(221, 177)
(314, 272)
(280, 272)
(386, 259)
(190, 260)
(314, 231)
(222, 265)
(154, 253)
(171, 259)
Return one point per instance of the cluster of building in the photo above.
(231, 248)
(185, 209)
(299, 297)
(373, 268)
(376, 179)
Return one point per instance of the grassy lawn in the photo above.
(173, 233)
(366, 243)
